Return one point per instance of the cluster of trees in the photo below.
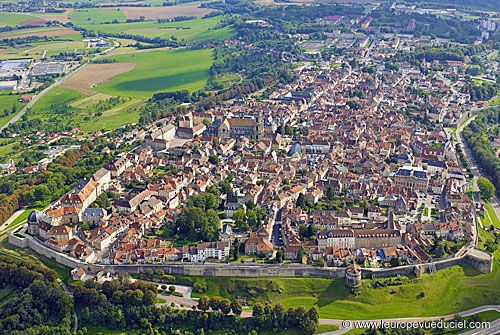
(442, 53)
(216, 304)
(476, 136)
(485, 91)
(40, 188)
(486, 188)
(38, 304)
(177, 19)
(249, 218)
(199, 219)
(428, 24)
(268, 317)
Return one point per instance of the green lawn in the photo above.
(425, 212)
(56, 96)
(7, 102)
(12, 19)
(444, 293)
(326, 328)
(113, 118)
(484, 236)
(197, 29)
(6, 150)
(160, 71)
(493, 217)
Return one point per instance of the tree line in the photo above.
(476, 136)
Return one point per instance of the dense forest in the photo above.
(37, 304)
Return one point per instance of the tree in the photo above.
(486, 188)
(236, 249)
(214, 159)
(171, 289)
(236, 307)
(395, 261)
(204, 303)
(301, 201)
(225, 306)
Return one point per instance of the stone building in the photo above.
(412, 177)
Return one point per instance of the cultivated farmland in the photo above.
(159, 71)
(167, 12)
(189, 30)
(35, 21)
(12, 19)
(48, 31)
(94, 74)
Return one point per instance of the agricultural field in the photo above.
(93, 74)
(41, 32)
(61, 17)
(93, 16)
(187, 30)
(159, 71)
(13, 19)
(81, 111)
(166, 12)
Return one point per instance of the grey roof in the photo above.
(35, 216)
(296, 148)
(227, 229)
(95, 212)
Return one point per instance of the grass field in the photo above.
(188, 30)
(444, 293)
(12, 19)
(160, 71)
(493, 217)
(6, 150)
(7, 102)
(92, 16)
(80, 112)
(56, 96)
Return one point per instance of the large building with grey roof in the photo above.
(413, 177)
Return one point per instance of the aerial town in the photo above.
(249, 167)
(375, 186)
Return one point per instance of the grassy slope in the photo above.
(446, 292)
(111, 119)
(492, 215)
(28, 254)
(160, 71)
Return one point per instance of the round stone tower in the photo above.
(353, 275)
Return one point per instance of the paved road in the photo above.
(12, 218)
